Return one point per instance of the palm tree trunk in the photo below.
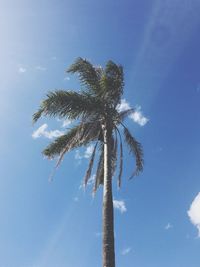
(108, 217)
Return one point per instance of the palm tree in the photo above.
(98, 119)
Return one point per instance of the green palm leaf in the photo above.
(76, 137)
(88, 74)
(112, 82)
(68, 104)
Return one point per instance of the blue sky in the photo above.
(157, 215)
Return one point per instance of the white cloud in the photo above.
(125, 251)
(67, 78)
(168, 226)
(136, 115)
(91, 181)
(22, 70)
(66, 123)
(87, 154)
(40, 68)
(194, 213)
(98, 234)
(78, 155)
(88, 151)
(124, 105)
(120, 205)
(42, 131)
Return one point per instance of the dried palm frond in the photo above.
(91, 163)
(136, 149)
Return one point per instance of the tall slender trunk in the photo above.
(108, 217)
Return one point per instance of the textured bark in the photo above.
(108, 217)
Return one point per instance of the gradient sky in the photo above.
(157, 215)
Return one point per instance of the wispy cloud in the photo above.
(22, 70)
(78, 155)
(168, 226)
(67, 78)
(120, 205)
(126, 251)
(66, 123)
(194, 213)
(98, 234)
(91, 181)
(76, 199)
(198, 88)
(137, 115)
(87, 153)
(40, 68)
(42, 131)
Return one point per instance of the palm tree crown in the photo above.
(93, 108)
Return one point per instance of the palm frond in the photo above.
(99, 178)
(68, 104)
(136, 149)
(120, 165)
(125, 113)
(91, 163)
(112, 82)
(114, 146)
(77, 136)
(99, 171)
(119, 178)
(88, 74)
